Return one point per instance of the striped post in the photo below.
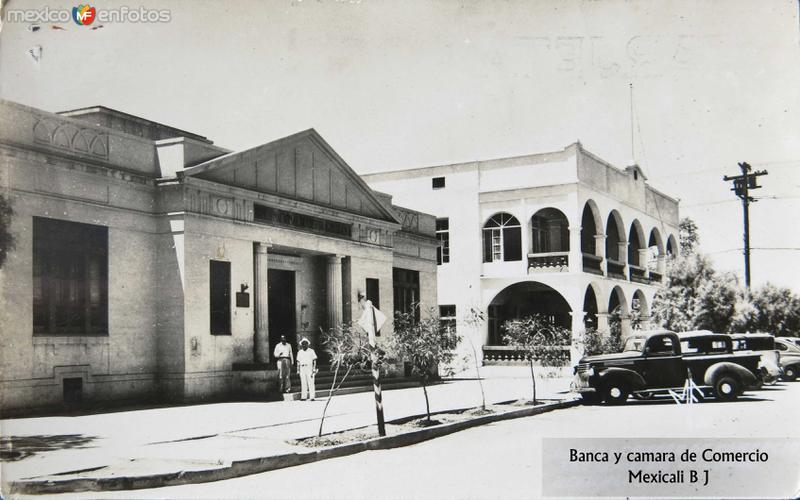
(376, 376)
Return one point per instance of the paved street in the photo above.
(500, 460)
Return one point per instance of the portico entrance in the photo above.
(281, 298)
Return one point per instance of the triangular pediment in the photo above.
(302, 167)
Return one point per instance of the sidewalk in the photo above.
(207, 436)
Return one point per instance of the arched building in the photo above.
(565, 234)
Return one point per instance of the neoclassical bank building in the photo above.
(150, 262)
(564, 234)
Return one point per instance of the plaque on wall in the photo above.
(242, 299)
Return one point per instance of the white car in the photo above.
(789, 358)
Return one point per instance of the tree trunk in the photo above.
(427, 403)
(477, 372)
(533, 381)
(334, 390)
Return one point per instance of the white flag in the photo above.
(371, 319)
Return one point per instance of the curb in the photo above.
(265, 464)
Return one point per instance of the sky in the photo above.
(394, 85)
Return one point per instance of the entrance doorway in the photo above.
(281, 304)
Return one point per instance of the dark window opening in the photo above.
(374, 292)
(73, 390)
(447, 316)
(437, 182)
(550, 231)
(70, 278)
(443, 235)
(406, 291)
(220, 290)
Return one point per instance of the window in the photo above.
(220, 304)
(70, 278)
(502, 239)
(437, 182)
(660, 346)
(443, 235)
(406, 291)
(447, 316)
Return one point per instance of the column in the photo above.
(602, 323)
(662, 265)
(600, 251)
(578, 329)
(623, 257)
(625, 326)
(643, 255)
(575, 255)
(334, 283)
(260, 286)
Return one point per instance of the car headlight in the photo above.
(590, 372)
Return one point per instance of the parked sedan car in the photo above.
(791, 340)
(764, 344)
(790, 358)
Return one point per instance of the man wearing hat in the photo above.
(284, 360)
(307, 368)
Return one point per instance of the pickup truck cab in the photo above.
(654, 362)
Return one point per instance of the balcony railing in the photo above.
(616, 269)
(508, 355)
(638, 274)
(656, 277)
(551, 262)
(592, 264)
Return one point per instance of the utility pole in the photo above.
(742, 185)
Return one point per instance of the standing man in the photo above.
(307, 368)
(285, 360)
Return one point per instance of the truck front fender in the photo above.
(726, 367)
(634, 379)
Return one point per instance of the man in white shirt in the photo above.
(307, 368)
(284, 360)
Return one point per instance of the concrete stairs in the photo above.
(357, 381)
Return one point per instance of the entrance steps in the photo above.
(357, 381)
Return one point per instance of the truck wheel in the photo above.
(616, 393)
(727, 388)
(790, 373)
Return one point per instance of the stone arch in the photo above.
(524, 299)
(549, 231)
(640, 311)
(655, 249)
(616, 299)
(672, 246)
(636, 242)
(590, 306)
(591, 226)
(615, 235)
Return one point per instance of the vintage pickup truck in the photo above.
(654, 362)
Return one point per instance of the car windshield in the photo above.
(634, 344)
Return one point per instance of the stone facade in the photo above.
(548, 220)
(190, 240)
